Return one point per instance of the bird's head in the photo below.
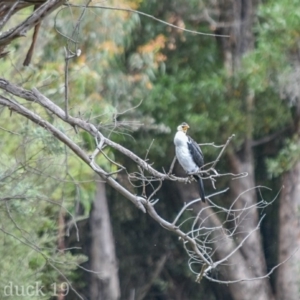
(183, 127)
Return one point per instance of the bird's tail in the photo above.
(201, 188)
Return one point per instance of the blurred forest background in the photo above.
(136, 79)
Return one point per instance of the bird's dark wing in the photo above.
(198, 158)
(195, 152)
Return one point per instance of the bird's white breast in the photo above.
(182, 152)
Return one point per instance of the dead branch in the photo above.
(20, 30)
(201, 240)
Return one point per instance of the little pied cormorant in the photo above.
(189, 154)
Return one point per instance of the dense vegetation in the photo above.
(136, 79)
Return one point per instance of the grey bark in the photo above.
(239, 17)
(241, 14)
(288, 274)
(252, 253)
(10, 7)
(287, 280)
(105, 284)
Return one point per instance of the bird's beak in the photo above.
(185, 128)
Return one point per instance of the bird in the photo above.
(189, 155)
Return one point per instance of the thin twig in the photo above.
(254, 278)
(222, 151)
(154, 18)
(155, 191)
(195, 201)
(172, 165)
(69, 55)
(8, 15)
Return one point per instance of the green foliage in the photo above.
(34, 189)
(278, 33)
(28, 239)
(287, 157)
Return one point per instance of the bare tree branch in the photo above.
(152, 17)
(21, 30)
(202, 240)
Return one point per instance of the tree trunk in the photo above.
(252, 249)
(238, 17)
(287, 281)
(249, 261)
(238, 267)
(288, 274)
(105, 284)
